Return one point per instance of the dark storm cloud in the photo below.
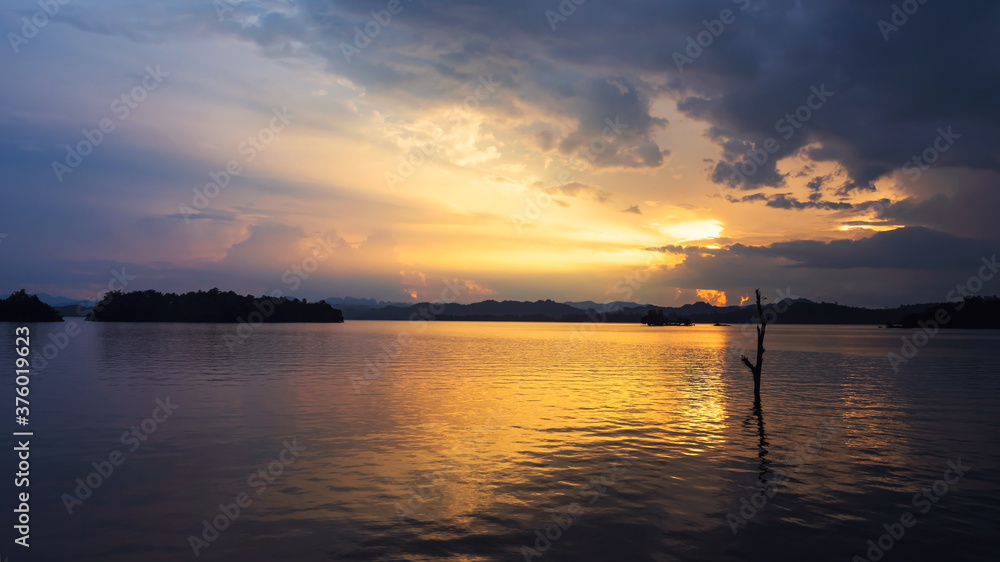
(614, 126)
(914, 248)
(890, 268)
(971, 210)
(889, 97)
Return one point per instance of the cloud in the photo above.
(712, 297)
(611, 62)
(818, 182)
(268, 248)
(902, 266)
(672, 249)
(615, 126)
(783, 201)
(633, 209)
(911, 248)
(760, 70)
(580, 190)
(786, 201)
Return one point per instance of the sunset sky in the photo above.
(554, 150)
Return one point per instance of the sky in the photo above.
(656, 152)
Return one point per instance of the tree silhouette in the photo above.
(755, 369)
(22, 307)
(655, 317)
(209, 306)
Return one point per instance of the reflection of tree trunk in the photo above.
(755, 369)
(762, 443)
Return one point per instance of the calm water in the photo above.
(469, 437)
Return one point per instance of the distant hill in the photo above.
(22, 307)
(798, 311)
(584, 305)
(68, 307)
(803, 311)
(367, 303)
(351, 306)
(523, 311)
(63, 301)
(74, 310)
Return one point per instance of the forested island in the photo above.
(970, 313)
(22, 307)
(212, 306)
(656, 317)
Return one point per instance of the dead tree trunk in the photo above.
(755, 369)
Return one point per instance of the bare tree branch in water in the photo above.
(755, 369)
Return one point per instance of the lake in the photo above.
(508, 441)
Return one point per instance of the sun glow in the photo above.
(694, 230)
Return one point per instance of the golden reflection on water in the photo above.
(468, 419)
(475, 434)
(463, 423)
